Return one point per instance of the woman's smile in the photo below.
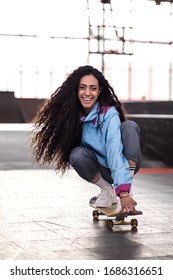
(88, 92)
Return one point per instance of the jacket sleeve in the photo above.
(116, 161)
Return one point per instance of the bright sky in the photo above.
(35, 66)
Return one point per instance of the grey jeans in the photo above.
(85, 162)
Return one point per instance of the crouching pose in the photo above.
(83, 125)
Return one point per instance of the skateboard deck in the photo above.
(113, 212)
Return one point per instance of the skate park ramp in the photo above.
(9, 108)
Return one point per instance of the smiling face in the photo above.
(88, 92)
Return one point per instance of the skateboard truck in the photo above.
(119, 217)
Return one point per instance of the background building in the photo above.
(130, 40)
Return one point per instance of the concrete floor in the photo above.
(45, 216)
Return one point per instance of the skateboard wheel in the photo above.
(134, 223)
(95, 214)
(109, 224)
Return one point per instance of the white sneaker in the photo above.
(106, 198)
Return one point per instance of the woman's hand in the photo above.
(127, 203)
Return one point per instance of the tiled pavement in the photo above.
(45, 216)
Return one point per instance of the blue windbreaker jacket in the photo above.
(107, 145)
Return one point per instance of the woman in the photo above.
(83, 125)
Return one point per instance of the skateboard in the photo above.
(113, 212)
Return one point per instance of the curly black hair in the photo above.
(57, 127)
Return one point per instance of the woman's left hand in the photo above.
(127, 203)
